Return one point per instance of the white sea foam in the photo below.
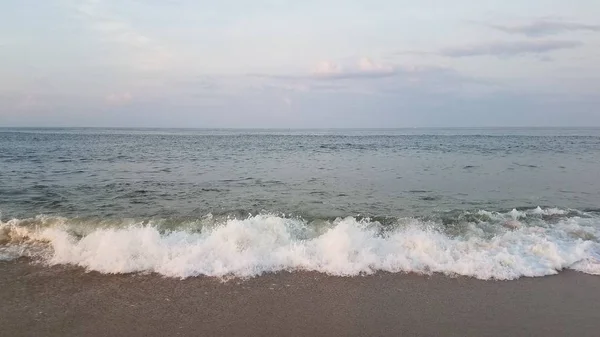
(346, 247)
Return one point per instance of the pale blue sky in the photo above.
(278, 63)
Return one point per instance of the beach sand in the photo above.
(36, 300)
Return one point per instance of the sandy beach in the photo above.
(65, 301)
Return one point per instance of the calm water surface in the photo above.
(144, 173)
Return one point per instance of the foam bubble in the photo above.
(548, 211)
(484, 249)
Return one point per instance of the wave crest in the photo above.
(489, 245)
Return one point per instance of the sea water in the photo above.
(486, 203)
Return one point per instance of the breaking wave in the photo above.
(481, 244)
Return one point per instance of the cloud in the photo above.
(363, 68)
(287, 101)
(542, 28)
(510, 49)
(144, 52)
(367, 65)
(329, 77)
(327, 68)
(119, 98)
(30, 102)
(20, 102)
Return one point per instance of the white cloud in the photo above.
(144, 53)
(119, 98)
(363, 68)
(326, 68)
(367, 65)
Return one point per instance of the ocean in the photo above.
(489, 203)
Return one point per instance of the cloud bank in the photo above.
(542, 28)
(364, 68)
(510, 48)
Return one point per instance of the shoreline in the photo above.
(68, 301)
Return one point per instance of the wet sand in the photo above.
(65, 301)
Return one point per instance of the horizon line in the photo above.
(306, 128)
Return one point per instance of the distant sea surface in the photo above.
(489, 203)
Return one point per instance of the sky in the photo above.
(299, 64)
